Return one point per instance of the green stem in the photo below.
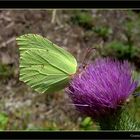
(130, 44)
(121, 120)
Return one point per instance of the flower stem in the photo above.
(121, 120)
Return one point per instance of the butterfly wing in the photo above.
(43, 65)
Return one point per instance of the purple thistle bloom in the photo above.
(102, 87)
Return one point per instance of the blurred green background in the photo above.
(114, 33)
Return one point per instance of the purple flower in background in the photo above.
(102, 87)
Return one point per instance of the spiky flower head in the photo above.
(102, 87)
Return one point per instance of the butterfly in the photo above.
(43, 65)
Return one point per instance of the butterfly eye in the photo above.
(84, 66)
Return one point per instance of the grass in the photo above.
(83, 19)
(5, 71)
(3, 120)
(102, 31)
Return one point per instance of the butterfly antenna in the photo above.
(89, 50)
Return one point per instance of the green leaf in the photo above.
(87, 124)
(3, 121)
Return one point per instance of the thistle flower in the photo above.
(102, 87)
